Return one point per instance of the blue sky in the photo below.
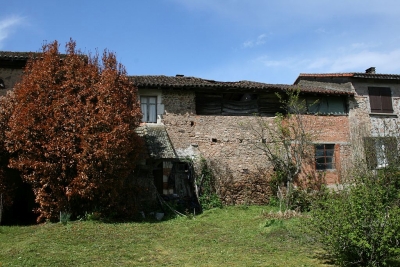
(225, 40)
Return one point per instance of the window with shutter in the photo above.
(148, 106)
(380, 152)
(380, 99)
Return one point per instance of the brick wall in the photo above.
(227, 141)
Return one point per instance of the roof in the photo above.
(346, 87)
(183, 82)
(157, 141)
(8, 55)
(362, 75)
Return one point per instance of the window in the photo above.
(148, 105)
(324, 156)
(380, 152)
(380, 99)
(326, 105)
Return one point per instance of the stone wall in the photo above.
(227, 141)
(363, 123)
(378, 125)
(10, 78)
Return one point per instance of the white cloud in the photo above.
(7, 25)
(258, 41)
(277, 13)
(384, 61)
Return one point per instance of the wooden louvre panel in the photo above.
(380, 99)
(386, 99)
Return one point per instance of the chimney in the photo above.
(370, 70)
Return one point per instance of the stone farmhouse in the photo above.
(373, 112)
(192, 118)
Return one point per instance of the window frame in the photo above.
(380, 99)
(147, 105)
(328, 156)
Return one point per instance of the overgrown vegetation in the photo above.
(206, 184)
(287, 142)
(360, 225)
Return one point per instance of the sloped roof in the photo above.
(157, 141)
(183, 82)
(362, 75)
(346, 87)
(9, 55)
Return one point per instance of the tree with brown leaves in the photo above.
(72, 131)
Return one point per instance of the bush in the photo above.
(360, 225)
(208, 196)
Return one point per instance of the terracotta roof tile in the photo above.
(16, 55)
(352, 74)
(183, 82)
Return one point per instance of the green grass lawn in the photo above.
(233, 236)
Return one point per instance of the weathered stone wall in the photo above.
(364, 123)
(378, 124)
(225, 140)
(10, 78)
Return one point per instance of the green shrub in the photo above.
(360, 225)
(208, 193)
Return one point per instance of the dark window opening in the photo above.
(380, 99)
(241, 104)
(324, 156)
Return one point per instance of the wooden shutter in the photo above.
(375, 99)
(380, 99)
(370, 152)
(391, 151)
(386, 100)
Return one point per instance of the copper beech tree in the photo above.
(7, 182)
(72, 132)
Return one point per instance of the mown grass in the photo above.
(233, 236)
